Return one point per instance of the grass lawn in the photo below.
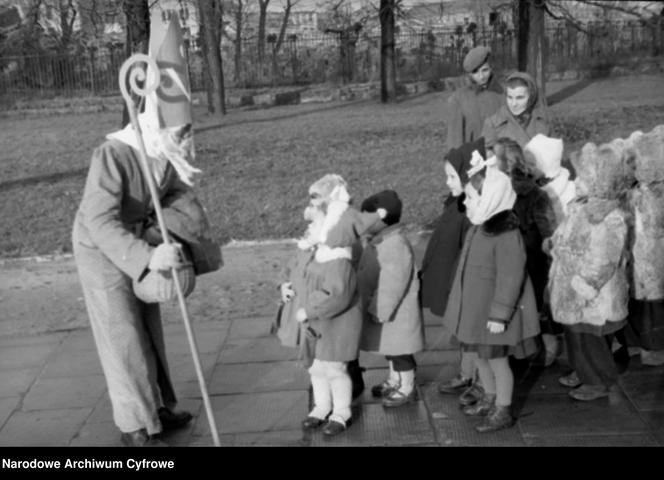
(258, 164)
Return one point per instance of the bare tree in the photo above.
(238, 11)
(137, 13)
(284, 23)
(388, 76)
(211, 24)
(262, 19)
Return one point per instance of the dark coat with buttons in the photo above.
(468, 108)
(491, 283)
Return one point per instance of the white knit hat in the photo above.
(548, 153)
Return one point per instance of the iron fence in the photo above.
(334, 58)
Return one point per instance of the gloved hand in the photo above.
(495, 327)
(301, 315)
(382, 213)
(165, 256)
(287, 292)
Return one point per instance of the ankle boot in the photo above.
(481, 408)
(499, 418)
(355, 373)
(405, 393)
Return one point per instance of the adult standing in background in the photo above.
(472, 104)
(521, 115)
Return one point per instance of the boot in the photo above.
(587, 393)
(355, 372)
(405, 393)
(140, 438)
(385, 388)
(499, 418)
(481, 408)
(471, 395)
(171, 420)
(456, 385)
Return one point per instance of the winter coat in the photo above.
(441, 255)
(109, 254)
(491, 283)
(332, 303)
(468, 108)
(289, 328)
(588, 279)
(536, 223)
(389, 291)
(503, 124)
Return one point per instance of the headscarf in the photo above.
(497, 196)
(533, 96)
(460, 158)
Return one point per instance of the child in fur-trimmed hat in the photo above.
(329, 304)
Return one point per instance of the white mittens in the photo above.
(165, 256)
(301, 315)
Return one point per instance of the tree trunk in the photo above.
(237, 41)
(212, 55)
(280, 40)
(388, 78)
(138, 34)
(262, 14)
(530, 41)
(536, 55)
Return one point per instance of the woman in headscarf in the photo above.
(521, 117)
(491, 309)
(442, 253)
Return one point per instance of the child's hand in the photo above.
(495, 327)
(382, 213)
(287, 292)
(301, 315)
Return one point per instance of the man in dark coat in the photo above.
(470, 105)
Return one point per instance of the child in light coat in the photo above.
(389, 289)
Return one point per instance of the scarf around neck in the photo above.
(497, 196)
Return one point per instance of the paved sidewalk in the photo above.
(53, 393)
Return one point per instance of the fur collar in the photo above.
(500, 223)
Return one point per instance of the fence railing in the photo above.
(333, 58)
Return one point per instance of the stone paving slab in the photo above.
(436, 373)
(97, 435)
(256, 412)
(207, 341)
(73, 363)
(645, 389)
(7, 406)
(43, 427)
(258, 377)
(375, 425)
(246, 350)
(250, 327)
(621, 440)
(64, 392)
(17, 382)
(29, 340)
(183, 369)
(79, 340)
(21, 357)
(544, 415)
(281, 438)
(453, 428)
